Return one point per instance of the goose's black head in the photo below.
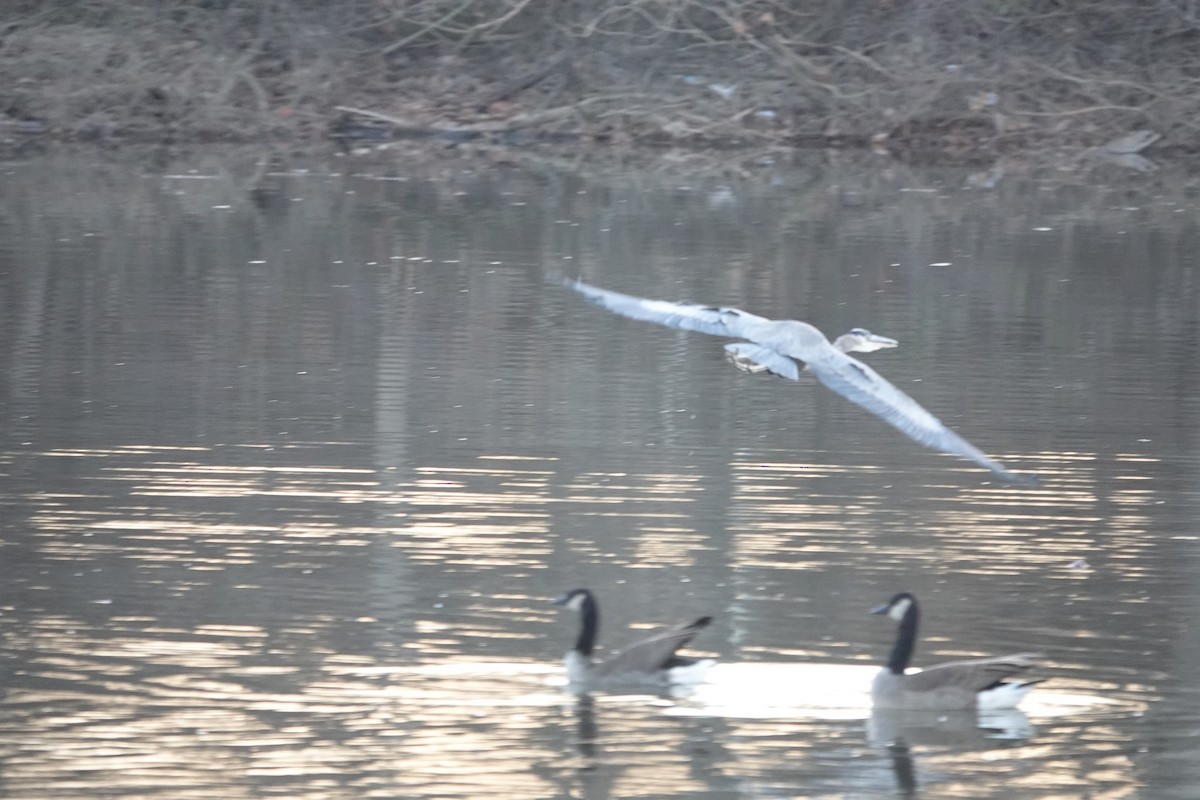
(898, 607)
(576, 599)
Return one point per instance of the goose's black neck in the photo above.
(906, 641)
(589, 616)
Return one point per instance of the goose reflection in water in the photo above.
(897, 731)
(780, 346)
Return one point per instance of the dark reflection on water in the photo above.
(293, 462)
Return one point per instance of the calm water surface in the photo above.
(293, 460)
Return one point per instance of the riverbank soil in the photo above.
(955, 78)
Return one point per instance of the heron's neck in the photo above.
(588, 628)
(906, 642)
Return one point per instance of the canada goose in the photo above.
(653, 658)
(777, 346)
(975, 683)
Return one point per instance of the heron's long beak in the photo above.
(861, 340)
(560, 601)
(883, 609)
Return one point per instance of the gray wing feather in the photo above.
(860, 384)
(972, 675)
(654, 653)
(719, 321)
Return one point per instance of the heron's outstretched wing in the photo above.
(860, 384)
(718, 321)
(654, 653)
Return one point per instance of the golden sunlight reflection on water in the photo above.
(365, 681)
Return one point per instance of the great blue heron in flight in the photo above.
(858, 340)
(777, 345)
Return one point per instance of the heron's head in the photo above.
(861, 340)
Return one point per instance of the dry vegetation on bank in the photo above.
(960, 77)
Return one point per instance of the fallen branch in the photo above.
(517, 122)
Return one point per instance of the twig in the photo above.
(239, 67)
(466, 33)
(500, 20)
(1071, 112)
(1094, 81)
(865, 60)
(524, 82)
(260, 94)
(412, 37)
